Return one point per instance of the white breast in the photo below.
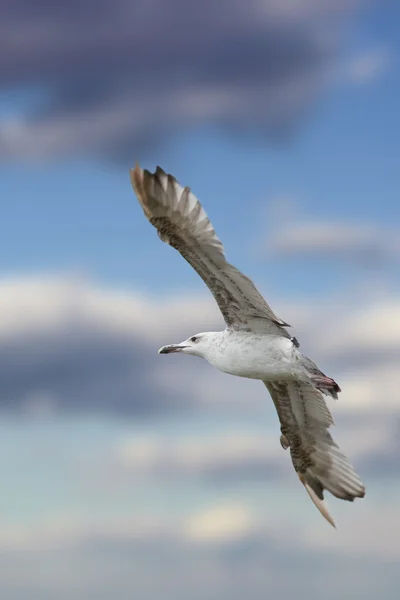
(255, 356)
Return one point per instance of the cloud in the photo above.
(220, 524)
(116, 77)
(368, 437)
(66, 345)
(224, 551)
(219, 459)
(369, 244)
(77, 341)
(366, 67)
(70, 345)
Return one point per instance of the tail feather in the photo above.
(322, 382)
(326, 385)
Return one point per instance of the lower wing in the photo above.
(317, 459)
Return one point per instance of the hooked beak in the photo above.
(171, 348)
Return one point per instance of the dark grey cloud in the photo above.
(115, 76)
(76, 367)
(69, 348)
(82, 366)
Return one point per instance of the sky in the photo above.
(129, 474)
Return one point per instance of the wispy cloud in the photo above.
(367, 243)
(367, 66)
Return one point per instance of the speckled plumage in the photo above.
(255, 343)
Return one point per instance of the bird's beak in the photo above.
(171, 348)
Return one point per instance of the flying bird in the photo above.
(255, 343)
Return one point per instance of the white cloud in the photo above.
(220, 524)
(217, 457)
(46, 302)
(373, 325)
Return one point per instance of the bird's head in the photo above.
(199, 344)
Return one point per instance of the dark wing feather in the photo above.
(181, 222)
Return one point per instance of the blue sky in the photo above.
(334, 167)
(283, 121)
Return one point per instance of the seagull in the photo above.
(255, 343)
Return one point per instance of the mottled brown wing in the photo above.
(317, 459)
(181, 222)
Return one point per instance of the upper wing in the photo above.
(318, 461)
(181, 222)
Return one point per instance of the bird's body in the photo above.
(254, 355)
(255, 343)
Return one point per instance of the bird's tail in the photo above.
(319, 380)
(326, 385)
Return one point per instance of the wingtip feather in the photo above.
(136, 175)
(320, 504)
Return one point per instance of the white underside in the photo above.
(256, 356)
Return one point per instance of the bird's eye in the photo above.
(193, 339)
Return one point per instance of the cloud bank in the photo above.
(55, 331)
(80, 347)
(225, 551)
